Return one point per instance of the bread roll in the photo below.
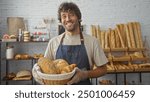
(47, 66)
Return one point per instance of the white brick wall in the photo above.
(106, 13)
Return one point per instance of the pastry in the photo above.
(67, 69)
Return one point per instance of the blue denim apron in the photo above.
(75, 54)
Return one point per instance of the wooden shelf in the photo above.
(107, 50)
(120, 59)
(119, 49)
(139, 59)
(146, 69)
(136, 49)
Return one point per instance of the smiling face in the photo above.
(70, 21)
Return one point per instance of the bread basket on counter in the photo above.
(55, 79)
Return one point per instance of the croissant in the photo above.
(67, 69)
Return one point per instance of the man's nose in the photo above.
(68, 18)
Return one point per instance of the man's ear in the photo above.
(80, 20)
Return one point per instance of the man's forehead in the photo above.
(68, 11)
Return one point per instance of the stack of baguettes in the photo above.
(122, 36)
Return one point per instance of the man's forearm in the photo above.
(97, 72)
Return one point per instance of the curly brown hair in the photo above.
(69, 6)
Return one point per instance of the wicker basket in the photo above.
(56, 79)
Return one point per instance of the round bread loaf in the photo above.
(47, 66)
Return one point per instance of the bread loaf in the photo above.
(47, 66)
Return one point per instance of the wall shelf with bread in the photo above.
(18, 64)
(124, 48)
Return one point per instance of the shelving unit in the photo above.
(8, 62)
(127, 61)
(124, 47)
(7, 69)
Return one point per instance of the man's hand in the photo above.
(79, 76)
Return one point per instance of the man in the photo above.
(75, 47)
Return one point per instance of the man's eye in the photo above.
(63, 17)
(71, 14)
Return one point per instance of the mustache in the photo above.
(70, 21)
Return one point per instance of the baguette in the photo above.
(99, 35)
(95, 31)
(139, 34)
(103, 38)
(92, 30)
(120, 37)
(132, 39)
(106, 39)
(128, 36)
(136, 35)
(113, 45)
(118, 44)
